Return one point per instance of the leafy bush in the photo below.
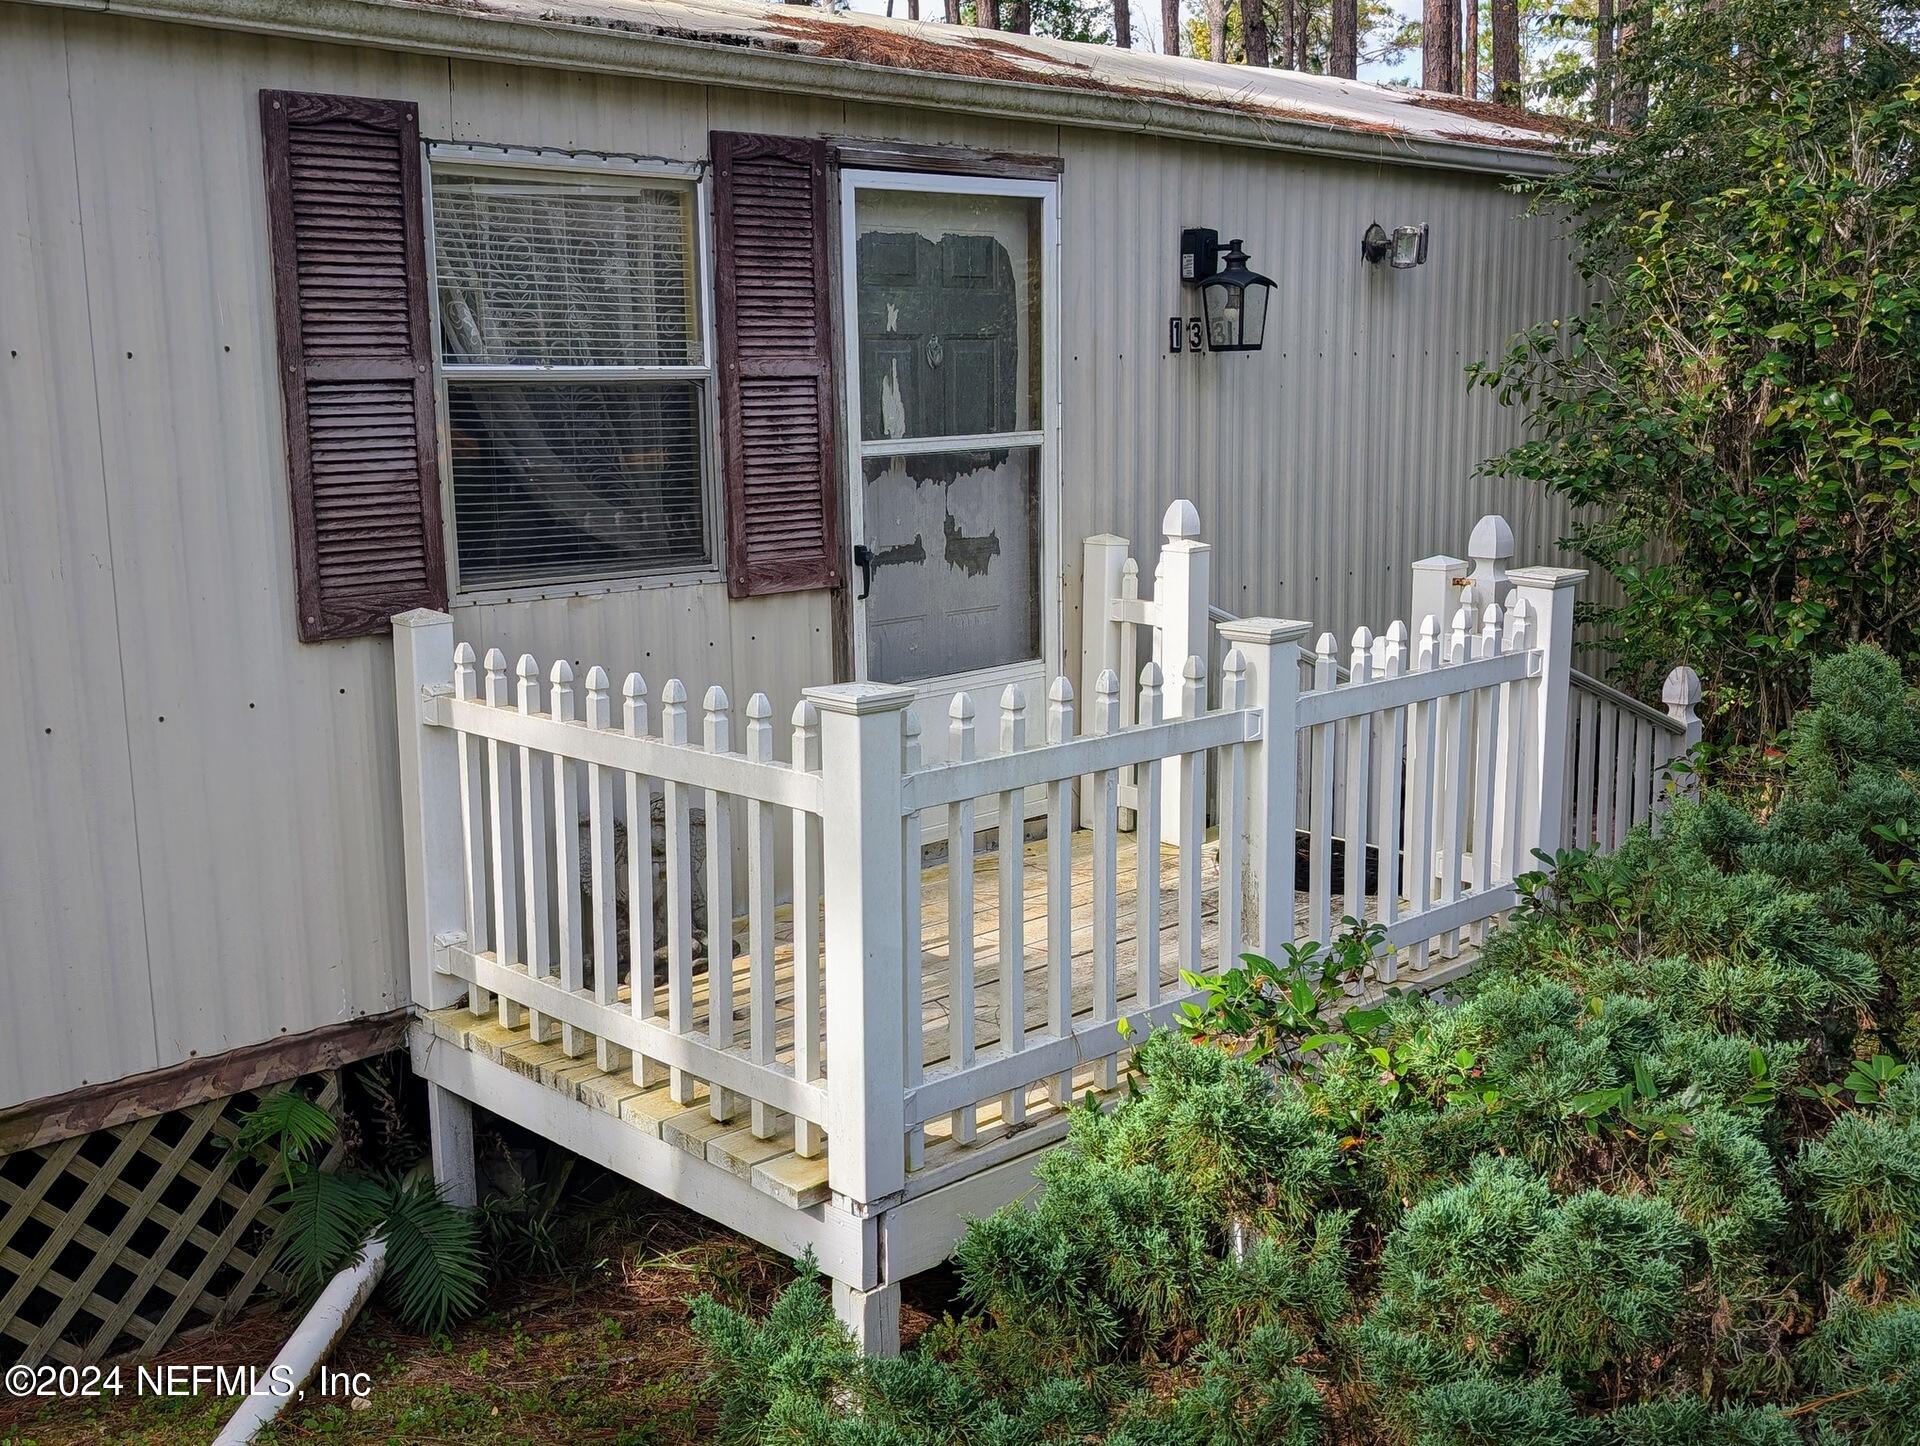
(1650, 1175)
(1737, 411)
(327, 1217)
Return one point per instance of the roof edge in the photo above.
(386, 24)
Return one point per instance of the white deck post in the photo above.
(1548, 593)
(1182, 582)
(1681, 694)
(430, 816)
(872, 1317)
(1271, 647)
(861, 732)
(1103, 561)
(1491, 548)
(450, 1133)
(1436, 582)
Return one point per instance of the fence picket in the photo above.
(761, 1017)
(1010, 874)
(1461, 648)
(1320, 802)
(1192, 826)
(473, 824)
(1232, 809)
(1515, 734)
(1487, 766)
(1146, 860)
(600, 873)
(643, 993)
(679, 860)
(1623, 723)
(1392, 728)
(1106, 823)
(1359, 775)
(960, 748)
(717, 735)
(569, 945)
(1060, 886)
(503, 839)
(1423, 788)
(535, 881)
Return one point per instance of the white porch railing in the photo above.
(561, 845)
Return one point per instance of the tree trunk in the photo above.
(989, 13)
(1122, 25)
(913, 9)
(1289, 57)
(1253, 32)
(1343, 54)
(1630, 102)
(1439, 45)
(1170, 26)
(1216, 29)
(1506, 52)
(1470, 51)
(953, 12)
(1302, 23)
(1603, 63)
(1020, 17)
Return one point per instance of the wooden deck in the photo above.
(771, 1165)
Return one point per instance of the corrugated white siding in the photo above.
(203, 852)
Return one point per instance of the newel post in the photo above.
(429, 802)
(1491, 548)
(1549, 594)
(1681, 694)
(1182, 622)
(861, 740)
(1437, 582)
(1271, 647)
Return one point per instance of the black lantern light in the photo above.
(1235, 298)
(1402, 248)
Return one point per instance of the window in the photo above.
(574, 364)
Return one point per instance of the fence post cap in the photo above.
(1491, 538)
(1182, 519)
(1682, 688)
(1265, 630)
(421, 618)
(858, 699)
(1547, 577)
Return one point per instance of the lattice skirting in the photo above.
(115, 1242)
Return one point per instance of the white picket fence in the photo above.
(1405, 785)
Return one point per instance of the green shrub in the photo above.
(1693, 1422)
(1128, 1241)
(1862, 1368)
(1604, 1280)
(1721, 1182)
(1251, 1396)
(1476, 1411)
(1863, 1182)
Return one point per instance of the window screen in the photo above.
(575, 375)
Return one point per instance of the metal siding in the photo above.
(263, 771)
(72, 941)
(1325, 463)
(261, 892)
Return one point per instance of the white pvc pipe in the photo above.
(316, 1335)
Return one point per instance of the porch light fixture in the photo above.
(1234, 297)
(1402, 248)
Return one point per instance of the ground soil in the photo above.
(598, 1353)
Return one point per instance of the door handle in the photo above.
(863, 559)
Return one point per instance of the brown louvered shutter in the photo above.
(774, 327)
(350, 298)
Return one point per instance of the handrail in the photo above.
(1606, 691)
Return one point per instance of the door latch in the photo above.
(863, 559)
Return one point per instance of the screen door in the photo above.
(948, 319)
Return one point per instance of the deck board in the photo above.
(799, 1181)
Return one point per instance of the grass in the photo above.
(599, 1353)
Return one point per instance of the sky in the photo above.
(1146, 26)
